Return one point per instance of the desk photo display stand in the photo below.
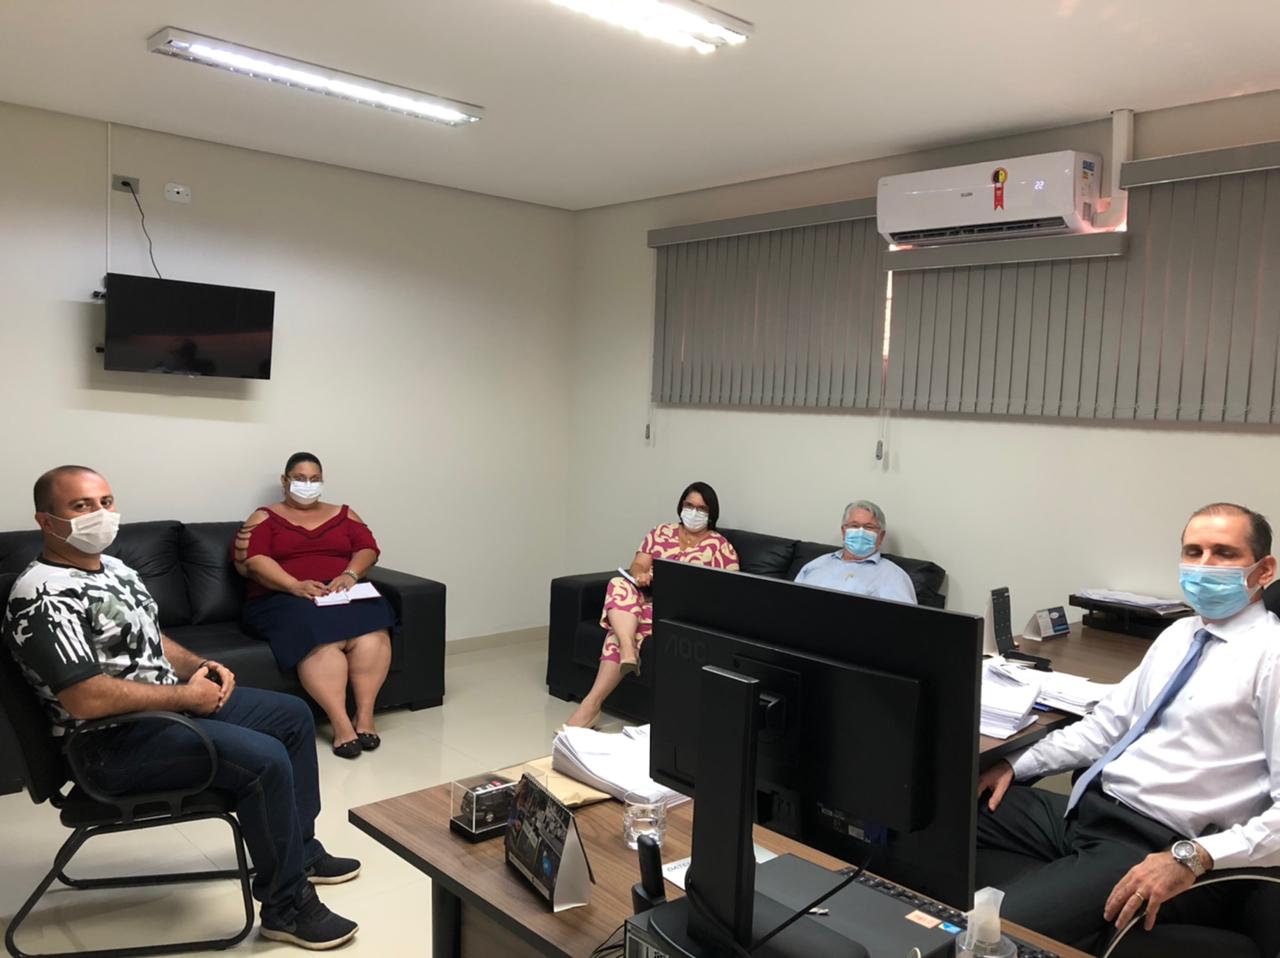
(543, 845)
(722, 875)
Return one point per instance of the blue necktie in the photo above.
(1147, 718)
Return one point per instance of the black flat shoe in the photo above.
(368, 740)
(350, 749)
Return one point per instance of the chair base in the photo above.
(82, 834)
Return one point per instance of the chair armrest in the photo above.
(1268, 875)
(585, 592)
(129, 803)
(418, 644)
(574, 599)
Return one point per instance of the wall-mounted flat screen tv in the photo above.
(189, 329)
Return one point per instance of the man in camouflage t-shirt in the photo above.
(86, 633)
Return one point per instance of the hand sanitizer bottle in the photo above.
(982, 939)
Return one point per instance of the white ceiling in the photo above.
(579, 114)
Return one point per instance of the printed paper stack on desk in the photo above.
(361, 590)
(1008, 696)
(1056, 690)
(614, 763)
(1070, 693)
(1154, 603)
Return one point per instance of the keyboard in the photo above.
(940, 911)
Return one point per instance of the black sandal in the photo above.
(368, 740)
(350, 749)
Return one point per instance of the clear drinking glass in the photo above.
(643, 815)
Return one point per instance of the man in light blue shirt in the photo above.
(859, 567)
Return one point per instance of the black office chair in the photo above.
(87, 811)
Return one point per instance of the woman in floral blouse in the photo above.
(628, 610)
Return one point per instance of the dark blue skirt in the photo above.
(294, 626)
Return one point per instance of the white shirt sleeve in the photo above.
(1082, 743)
(900, 587)
(809, 568)
(1256, 842)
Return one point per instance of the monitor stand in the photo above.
(723, 867)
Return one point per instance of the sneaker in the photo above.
(313, 926)
(332, 870)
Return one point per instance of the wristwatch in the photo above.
(1185, 853)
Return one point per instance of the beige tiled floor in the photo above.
(497, 713)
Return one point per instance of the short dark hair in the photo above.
(298, 457)
(1259, 527)
(708, 496)
(42, 493)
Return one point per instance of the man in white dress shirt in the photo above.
(859, 567)
(1182, 763)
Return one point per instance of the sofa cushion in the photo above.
(214, 588)
(805, 553)
(17, 549)
(249, 658)
(761, 554)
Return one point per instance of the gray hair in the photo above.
(870, 506)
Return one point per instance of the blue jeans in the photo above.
(266, 757)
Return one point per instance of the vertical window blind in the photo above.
(788, 309)
(785, 317)
(1186, 326)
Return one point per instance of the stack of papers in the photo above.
(613, 763)
(1008, 696)
(1155, 604)
(1071, 693)
(1055, 690)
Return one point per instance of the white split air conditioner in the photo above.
(1039, 195)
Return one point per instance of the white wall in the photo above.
(475, 374)
(421, 350)
(1045, 507)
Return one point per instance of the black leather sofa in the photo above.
(574, 635)
(187, 568)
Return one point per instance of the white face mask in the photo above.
(93, 532)
(695, 520)
(305, 491)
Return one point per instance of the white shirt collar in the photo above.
(1247, 619)
(874, 558)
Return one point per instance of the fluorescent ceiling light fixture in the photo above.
(684, 23)
(279, 69)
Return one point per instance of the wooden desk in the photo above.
(481, 908)
(1093, 653)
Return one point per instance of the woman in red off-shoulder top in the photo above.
(292, 552)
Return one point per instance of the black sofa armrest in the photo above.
(574, 599)
(131, 802)
(418, 643)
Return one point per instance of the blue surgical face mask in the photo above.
(860, 542)
(1216, 591)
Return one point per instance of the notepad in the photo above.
(361, 590)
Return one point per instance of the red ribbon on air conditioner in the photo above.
(998, 178)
